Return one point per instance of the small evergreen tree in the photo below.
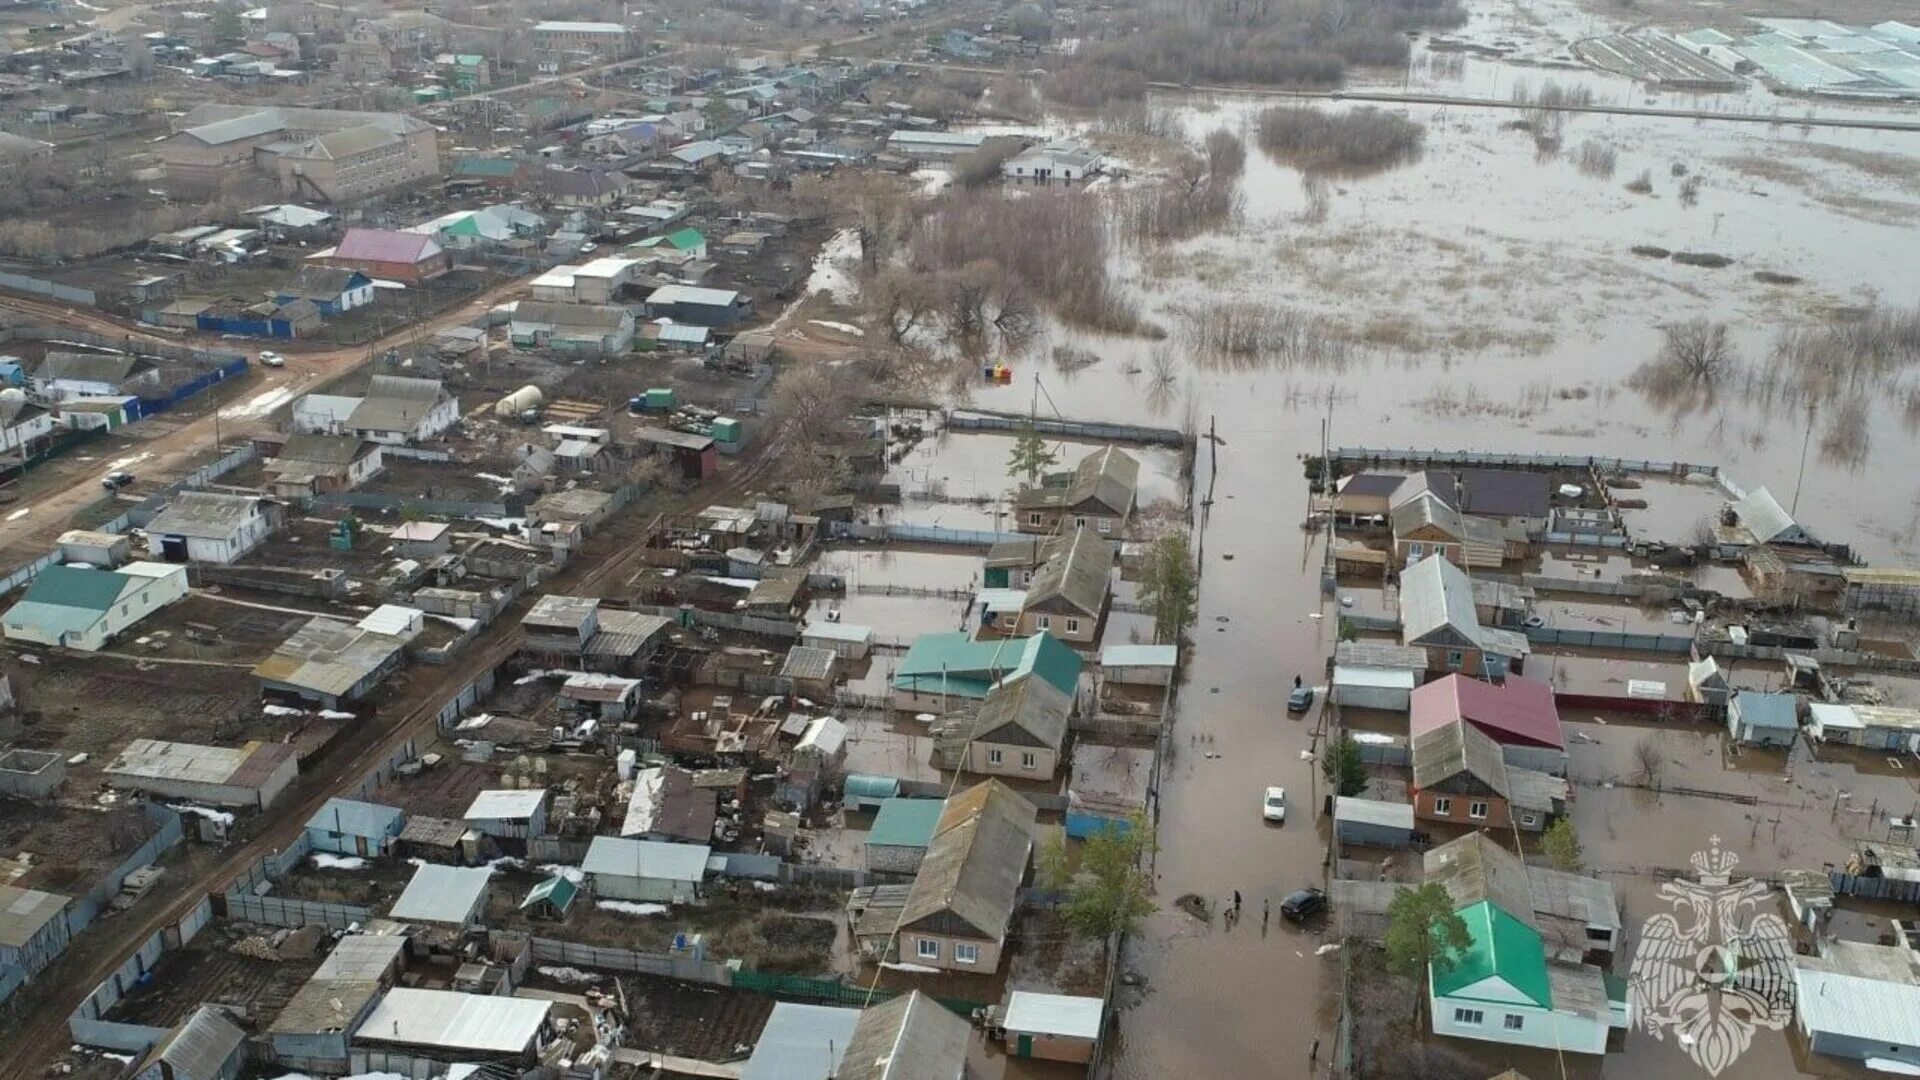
(1562, 845)
(1342, 767)
(1031, 456)
(1170, 587)
(1423, 931)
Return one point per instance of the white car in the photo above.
(273, 359)
(1274, 806)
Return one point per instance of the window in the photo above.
(1476, 809)
(1529, 820)
(1599, 933)
(1416, 550)
(1033, 519)
(1515, 1022)
(1443, 807)
(1106, 526)
(1029, 760)
(1455, 659)
(993, 757)
(966, 954)
(1468, 1017)
(1073, 626)
(929, 949)
(1043, 622)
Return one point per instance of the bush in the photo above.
(1354, 141)
(1087, 87)
(1596, 158)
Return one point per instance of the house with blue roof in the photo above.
(944, 670)
(1759, 719)
(352, 827)
(82, 608)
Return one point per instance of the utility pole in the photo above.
(1794, 510)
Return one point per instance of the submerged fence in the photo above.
(1479, 459)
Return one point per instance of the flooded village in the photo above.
(959, 539)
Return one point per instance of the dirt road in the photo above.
(170, 444)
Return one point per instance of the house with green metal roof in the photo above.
(689, 242)
(1504, 988)
(901, 832)
(551, 898)
(941, 671)
(81, 608)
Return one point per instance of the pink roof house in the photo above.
(1519, 714)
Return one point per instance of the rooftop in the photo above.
(506, 804)
(619, 856)
(329, 657)
(1868, 992)
(204, 515)
(1080, 572)
(801, 1042)
(1054, 1014)
(445, 1020)
(442, 894)
(974, 865)
(1517, 711)
(911, 1037)
(1452, 749)
(24, 911)
(905, 822)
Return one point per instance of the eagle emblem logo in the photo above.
(1716, 966)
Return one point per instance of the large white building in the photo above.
(206, 526)
(84, 609)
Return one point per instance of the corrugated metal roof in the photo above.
(1155, 656)
(1081, 573)
(1381, 678)
(974, 864)
(204, 515)
(447, 1020)
(617, 856)
(1868, 992)
(1456, 748)
(1054, 1014)
(1388, 815)
(1516, 711)
(1763, 515)
(361, 956)
(688, 294)
(1829, 715)
(1475, 868)
(92, 591)
(221, 132)
(1778, 711)
(1500, 946)
(1026, 703)
(1435, 594)
(506, 804)
(354, 818)
(911, 1037)
(824, 736)
(442, 894)
(201, 1046)
(327, 656)
(1887, 716)
(808, 662)
(801, 1042)
(905, 822)
(24, 911)
(395, 403)
(162, 760)
(833, 631)
(386, 245)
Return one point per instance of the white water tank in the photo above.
(527, 397)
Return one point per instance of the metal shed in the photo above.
(1139, 665)
(646, 870)
(842, 639)
(1389, 689)
(1055, 1027)
(452, 895)
(1372, 823)
(509, 813)
(901, 832)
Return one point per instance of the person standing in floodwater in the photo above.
(1236, 902)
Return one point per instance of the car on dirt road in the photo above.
(1273, 805)
(1302, 905)
(116, 480)
(272, 359)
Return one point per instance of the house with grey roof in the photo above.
(66, 375)
(445, 895)
(309, 464)
(963, 897)
(331, 662)
(1437, 615)
(1067, 596)
(398, 410)
(1018, 731)
(801, 1042)
(207, 1045)
(597, 329)
(912, 1037)
(208, 526)
(1760, 519)
(1099, 494)
(1860, 1002)
(1460, 776)
(33, 929)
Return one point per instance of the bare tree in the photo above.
(1696, 348)
(1651, 758)
(901, 301)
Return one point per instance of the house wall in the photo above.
(1902, 740)
(43, 948)
(1538, 758)
(1075, 629)
(1389, 698)
(1411, 550)
(1046, 521)
(515, 829)
(643, 889)
(1049, 1047)
(243, 539)
(1138, 676)
(354, 843)
(1758, 736)
(194, 791)
(989, 957)
(1012, 758)
(1540, 1027)
(1857, 1049)
(894, 859)
(1426, 804)
(27, 432)
(320, 1053)
(927, 700)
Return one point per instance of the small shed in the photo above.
(649, 871)
(447, 895)
(1763, 719)
(1372, 823)
(844, 640)
(508, 813)
(901, 832)
(1139, 665)
(351, 827)
(1053, 1027)
(206, 1046)
(801, 1042)
(810, 669)
(1388, 689)
(551, 899)
(1834, 723)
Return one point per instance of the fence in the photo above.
(918, 534)
(470, 695)
(1875, 888)
(290, 911)
(63, 335)
(832, 992)
(1476, 459)
(571, 850)
(169, 832)
(723, 620)
(52, 290)
(1602, 639)
(667, 965)
(1091, 430)
(416, 453)
(1387, 753)
(173, 397)
(508, 507)
(60, 446)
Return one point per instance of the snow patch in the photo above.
(844, 328)
(282, 710)
(326, 861)
(567, 975)
(219, 816)
(911, 969)
(335, 714)
(571, 873)
(261, 404)
(830, 274)
(628, 907)
(20, 513)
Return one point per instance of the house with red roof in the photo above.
(388, 255)
(1518, 714)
